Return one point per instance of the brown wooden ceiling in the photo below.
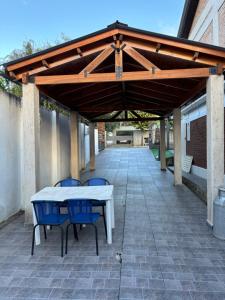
(92, 99)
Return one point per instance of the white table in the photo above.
(103, 192)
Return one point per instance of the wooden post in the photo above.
(215, 140)
(31, 146)
(162, 146)
(74, 140)
(55, 148)
(92, 145)
(177, 146)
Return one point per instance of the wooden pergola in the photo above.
(126, 69)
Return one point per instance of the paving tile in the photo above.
(168, 252)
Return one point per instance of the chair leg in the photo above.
(103, 214)
(33, 238)
(67, 231)
(45, 233)
(96, 238)
(62, 240)
(75, 232)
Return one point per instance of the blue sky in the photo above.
(45, 20)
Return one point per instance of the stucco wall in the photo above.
(221, 17)
(10, 149)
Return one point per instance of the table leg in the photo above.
(37, 230)
(112, 212)
(109, 221)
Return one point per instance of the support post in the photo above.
(31, 146)
(167, 134)
(74, 140)
(162, 146)
(177, 146)
(215, 140)
(92, 146)
(55, 148)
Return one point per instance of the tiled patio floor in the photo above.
(168, 252)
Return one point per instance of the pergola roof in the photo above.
(121, 68)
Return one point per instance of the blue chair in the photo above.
(68, 182)
(80, 212)
(95, 182)
(48, 214)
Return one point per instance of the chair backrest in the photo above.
(68, 182)
(96, 181)
(79, 206)
(46, 211)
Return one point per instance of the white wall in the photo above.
(10, 149)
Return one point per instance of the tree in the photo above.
(28, 47)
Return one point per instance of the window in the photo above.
(124, 133)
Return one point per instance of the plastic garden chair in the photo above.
(95, 182)
(68, 182)
(48, 214)
(80, 212)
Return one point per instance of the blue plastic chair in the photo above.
(80, 212)
(96, 182)
(48, 213)
(68, 182)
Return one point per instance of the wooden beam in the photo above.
(25, 78)
(63, 61)
(63, 49)
(128, 119)
(147, 64)
(45, 63)
(172, 42)
(135, 114)
(177, 53)
(98, 60)
(116, 115)
(127, 76)
(118, 60)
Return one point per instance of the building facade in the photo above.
(203, 21)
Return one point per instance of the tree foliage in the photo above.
(142, 125)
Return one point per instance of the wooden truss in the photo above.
(136, 118)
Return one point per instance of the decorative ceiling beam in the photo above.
(97, 61)
(127, 76)
(116, 115)
(147, 64)
(135, 114)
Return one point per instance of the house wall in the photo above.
(208, 27)
(54, 156)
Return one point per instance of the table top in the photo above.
(101, 192)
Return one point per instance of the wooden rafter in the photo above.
(135, 114)
(126, 119)
(62, 49)
(127, 76)
(177, 53)
(98, 60)
(116, 115)
(118, 60)
(147, 64)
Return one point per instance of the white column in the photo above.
(162, 146)
(31, 146)
(177, 146)
(56, 163)
(92, 145)
(215, 140)
(74, 139)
